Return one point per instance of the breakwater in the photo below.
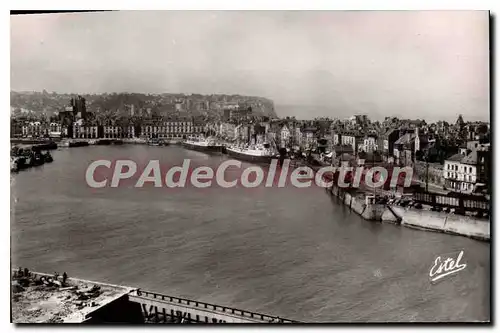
(367, 207)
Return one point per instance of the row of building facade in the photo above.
(173, 130)
(398, 145)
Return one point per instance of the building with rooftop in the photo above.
(464, 171)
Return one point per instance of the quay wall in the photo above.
(374, 212)
(358, 206)
(448, 223)
(371, 212)
(415, 218)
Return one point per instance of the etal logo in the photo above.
(444, 267)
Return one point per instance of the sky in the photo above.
(416, 64)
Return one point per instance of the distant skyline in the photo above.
(430, 65)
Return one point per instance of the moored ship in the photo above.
(204, 145)
(69, 143)
(157, 142)
(261, 153)
(28, 156)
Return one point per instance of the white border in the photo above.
(188, 4)
(259, 5)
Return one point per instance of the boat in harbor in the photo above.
(157, 142)
(260, 153)
(74, 143)
(106, 142)
(204, 145)
(37, 158)
(14, 164)
(47, 157)
(22, 157)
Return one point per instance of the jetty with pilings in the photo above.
(45, 298)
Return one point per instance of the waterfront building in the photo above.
(460, 172)
(242, 133)
(357, 121)
(323, 145)
(240, 113)
(34, 129)
(309, 137)
(16, 128)
(475, 130)
(335, 137)
(484, 165)
(352, 120)
(55, 129)
(465, 170)
(258, 132)
(296, 134)
(227, 131)
(353, 138)
(79, 107)
(284, 136)
(128, 131)
(369, 144)
(412, 123)
(404, 149)
(423, 142)
(25, 130)
(272, 136)
(338, 150)
(170, 130)
(197, 127)
(346, 160)
(389, 138)
(146, 131)
(209, 129)
(84, 132)
(371, 159)
(111, 132)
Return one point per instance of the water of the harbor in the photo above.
(290, 252)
